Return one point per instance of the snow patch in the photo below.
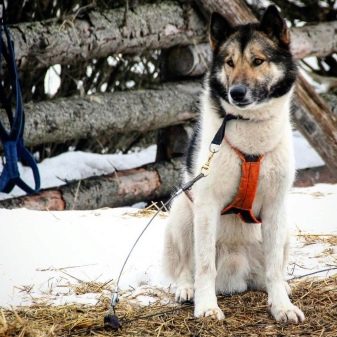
(79, 165)
(42, 253)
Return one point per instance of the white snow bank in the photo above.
(47, 251)
(78, 165)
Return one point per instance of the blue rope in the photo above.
(12, 140)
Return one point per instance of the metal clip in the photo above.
(114, 299)
(206, 166)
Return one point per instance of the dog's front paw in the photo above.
(287, 314)
(184, 294)
(209, 311)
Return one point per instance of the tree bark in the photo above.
(148, 183)
(316, 121)
(191, 61)
(138, 111)
(194, 60)
(99, 34)
(321, 129)
(314, 40)
(315, 175)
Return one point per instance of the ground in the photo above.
(50, 260)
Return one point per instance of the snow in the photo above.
(314, 209)
(305, 155)
(47, 252)
(76, 165)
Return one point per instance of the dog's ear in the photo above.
(219, 29)
(274, 26)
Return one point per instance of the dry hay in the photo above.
(310, 239)
(246, 315)
(150, 211)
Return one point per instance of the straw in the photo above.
(246, 315)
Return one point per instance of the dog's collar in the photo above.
(219, 136)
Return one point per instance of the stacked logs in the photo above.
(183, 36)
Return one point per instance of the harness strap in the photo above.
(242, 205)
(12, 140)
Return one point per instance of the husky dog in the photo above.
(251, 76)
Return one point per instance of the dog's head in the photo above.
(251, 63)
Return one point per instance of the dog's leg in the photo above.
(275, 233)
(285, 264)
(206, 218)
(178, 248)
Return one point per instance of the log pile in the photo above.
(181, 34)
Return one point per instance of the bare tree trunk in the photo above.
(100, 34)
(315, 120)
(138, 111)
(314, 111)
(118, 189)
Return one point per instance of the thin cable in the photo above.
(134, 245)
(185, 187)
(140, 235)
(313, 273)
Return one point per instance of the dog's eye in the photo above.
(257, 62)
(230, 63)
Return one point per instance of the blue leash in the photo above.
(12, 140)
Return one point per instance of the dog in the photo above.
(251, 78)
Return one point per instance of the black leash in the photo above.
(110, 319)
(12, 140)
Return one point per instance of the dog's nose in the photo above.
(238, 92)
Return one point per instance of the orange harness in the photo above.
(242, 205)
